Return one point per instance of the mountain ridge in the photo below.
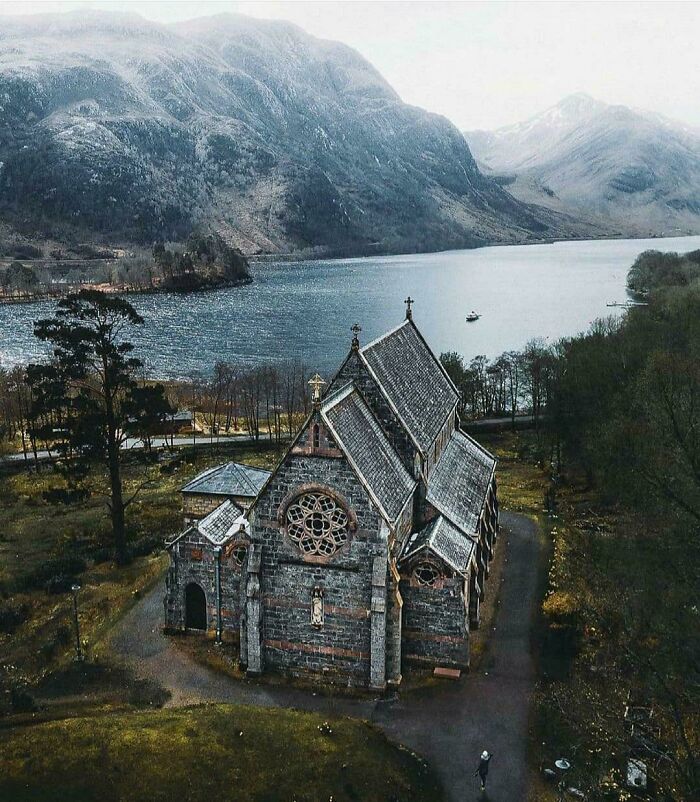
(279, 141)
(635, 169)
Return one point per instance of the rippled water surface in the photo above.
(305, 309)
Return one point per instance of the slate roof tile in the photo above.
(443, 539)
(459, 483)
(360, 436)
(222, 523)
(413, 380)
(231, 479)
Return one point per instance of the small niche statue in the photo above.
(317, 607)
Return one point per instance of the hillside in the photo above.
(114, 126)
(633, 170)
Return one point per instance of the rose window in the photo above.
(426, 574)
(317, 524)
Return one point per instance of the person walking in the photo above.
(483, 770)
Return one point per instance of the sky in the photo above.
(488, 64)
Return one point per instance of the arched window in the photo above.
(317, 524)
(316, 436)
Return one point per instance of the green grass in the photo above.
(33, 531)
(214, 752)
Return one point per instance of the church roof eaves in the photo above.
(446, 541)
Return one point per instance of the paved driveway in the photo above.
(449, 724)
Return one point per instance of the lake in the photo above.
(304, 310)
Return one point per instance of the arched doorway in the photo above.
(195, 607)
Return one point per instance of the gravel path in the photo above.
(448, 724)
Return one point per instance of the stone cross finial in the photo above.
(356, 329)
(317, 384)
(409, 314)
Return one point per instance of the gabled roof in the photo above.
(231, 479)
(413, 380)
(445, 540)
(222, 523)
(359, 435)
(459, 483)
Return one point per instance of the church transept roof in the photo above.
(445, 540)
(459, 483)
(358, 433)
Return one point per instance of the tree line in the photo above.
(618, 412)
(85, 401)
(203, 260)
(516, 383)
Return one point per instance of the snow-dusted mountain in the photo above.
(279, 140)
(636, 170)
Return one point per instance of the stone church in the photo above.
(367, 548)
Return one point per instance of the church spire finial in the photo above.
(355, 329)
(409, 312)
(317, 384)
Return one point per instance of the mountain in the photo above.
(280, 142)
(635, 170)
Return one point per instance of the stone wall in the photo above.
(341, 647)
(435, 623)
(196, 506)
(193, 560)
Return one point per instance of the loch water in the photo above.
(304, 310)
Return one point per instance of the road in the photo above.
(156, 442)
(449, 724)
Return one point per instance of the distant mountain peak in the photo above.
(607, 161)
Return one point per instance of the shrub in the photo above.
(61, 637)
(66, 566)
(26, 251)
(12, 614)
(145, 546)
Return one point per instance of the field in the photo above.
(199, 754)
(45, 545)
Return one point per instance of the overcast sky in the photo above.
(484, 65)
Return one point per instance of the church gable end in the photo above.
(319, 533)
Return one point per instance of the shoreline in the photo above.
(302, 256)
(119, 290)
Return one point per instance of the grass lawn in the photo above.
(35, 533)
(213, 752)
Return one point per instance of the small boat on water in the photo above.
(472, 316)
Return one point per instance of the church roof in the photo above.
(413, 381)
(231, 479)
(359, 435)
(223, 522)
(445, 540)
(459, 483)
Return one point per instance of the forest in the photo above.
(203, 261)
(617, 432)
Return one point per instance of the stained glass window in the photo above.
(317, 524)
